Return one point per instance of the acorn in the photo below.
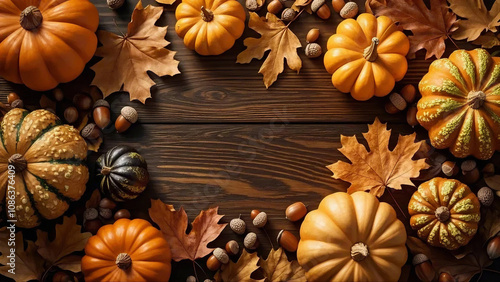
(312, 35)
(350, 10)
(274, 6)
(232, 248)
(485, 196)
(107, 204)
(396, 103)
(92, 226)
(411, 116)
(101, 113)
(493, 248)
(446, 277)
(288, 241)
(127, 117)
(288, 14)
(254, 5)
(238, 226)
(488, 170)
(70, 114)
(470, 172)
(221, 255)
(82, 101)
(58, 94)
(122, 213)
(313, 50)
(18, 103)
(423, 268)
(115, 4)
(251, 241)
(296, 211)
(254, 213)
(91, 132)
(105, 213)
(449, 168)
(338, 5)
(191, 278)
(321, 9)
(260, 220)
(90, 214)
(213, 263)
(409, 93)
(12, 97)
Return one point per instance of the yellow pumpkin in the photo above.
(445, 212)
(352, 238)
(460, 104)
(210, 27)
(367, 56)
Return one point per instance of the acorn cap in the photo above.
(485, 196)
(398, 101)
(419, 258)
(101, 103)
(87, 130)
(260, 220)
(468, 165)
(221, 255)
(316, 4)
(130, 114)
(279, 236)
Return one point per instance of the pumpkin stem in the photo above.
(442, 213)
(370, 52)
(105, 170)
(476, 99)
(31, 18)
(206, 14)
(123, 261)
(359, 251)
(19, 162)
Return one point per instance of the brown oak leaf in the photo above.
(239, 271)
(28, 263)
(128, 58)
(173, 224)
(430, 28)
(477, 18)
(278, 38)
(277, 268)
(68, 239)
(380, 167)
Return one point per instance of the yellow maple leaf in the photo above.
(28, 263)
(277, 268)
(380, 167)
(278, 38)
(127, 58)
(239, 271)
(477, 18)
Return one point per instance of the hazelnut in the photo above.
(213, 263)
(107, 204)
(485, 196)
(115, 4)
(105, 213)
(313, 50)
(90, 214)
(251, 241)
(260, 220)
(488, 170)
(254, 213)
(449, 168)
(123, 213)
(101, 113)
(312, 35)
(288, 14)
(238, 226)
(127, 117)
(409, 93)
(296, 211)
(470, 172)
(91, 132)
(288, 241)
(350, 10)
(82, 101)
(493, 248)
(411, 115)
(423, 268)
(338, 5)
(232, 248)
(12, 97)
(71, 114)
(58, 94)
(446, 277)
(221, 255)
(274, 6)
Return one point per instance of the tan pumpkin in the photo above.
(352, 238)
(367, 56)
(44, 43)
(42, 166)
(445, 212)
(210, 27)
(460, 104)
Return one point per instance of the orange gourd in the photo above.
(46, 42)
(445, 212)
(352, 238)
(128, 250)
(210, 27)
(460, 104)
(367, 56)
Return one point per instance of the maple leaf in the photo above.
(277, 268)
(72, 263)
(68, 239)
(490, 217)
(239, 271)
(488, 40)
(477, 18)
(278, 38)
(166, 2)
(127, 58)
(28, 265)
(430, 28)
(379, 168)
(173, 224)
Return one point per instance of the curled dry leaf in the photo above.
(380, 167)
(488, 40)
(173, 225)
(430, 28)
(277, 268)
(166, 2)
(239, 271)
(128, 58)
(476, 16)
(278, 38)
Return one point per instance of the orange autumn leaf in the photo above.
(128, 58)
(239, 271)
(173, 225)
(380, 167)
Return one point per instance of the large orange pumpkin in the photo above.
(367, 56)
(352, 238)
(460, 104)
(128, 250)
(46, 42)
(210, 27)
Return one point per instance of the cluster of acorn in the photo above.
(398, 102)
(106, 212)
(467, 171)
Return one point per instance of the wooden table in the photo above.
(215, 136)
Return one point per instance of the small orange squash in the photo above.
(128, 250)
(445, 212)
(46, 42)
(210, 27)
(352, 238)
(367, 56)
(460, 104)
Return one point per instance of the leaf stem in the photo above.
(491, 270)
(195, 274)
(302, 9)
(269, 238)
(397, 204)
(452, 41)
(206, 275)
(117, 28)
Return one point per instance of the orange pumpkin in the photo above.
(46, 42)
(460, 104)
(367, 56)
(128, 250)
(210, 27)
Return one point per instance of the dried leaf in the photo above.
(166, 2)
(72, 263)
(379, 168)
(493, 182)
(487, 40)
(277, 268)
(490, 218)
(126, 59)
(94, 145)
(443, 261)
(28, 265)
(173, 224)
(239, 271)
(430, 28)
(302, 3)
(477, 18)
(94, 200)
(68, 239)
(278, 38)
